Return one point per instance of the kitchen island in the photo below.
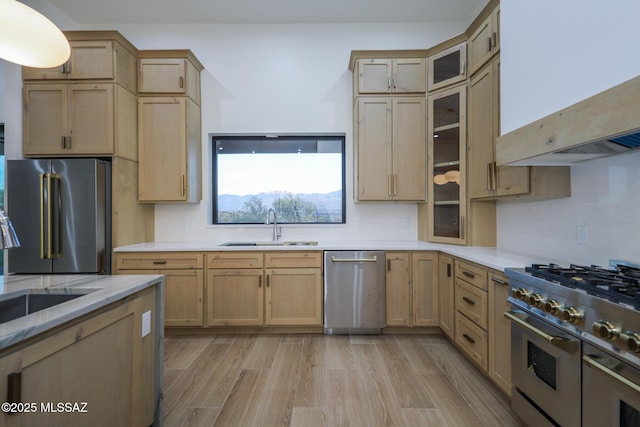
(93, 359)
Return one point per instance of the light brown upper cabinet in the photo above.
(87, 107)
(448, 66)
(391, 148)
(169, 134)
(486, 179)
(85, 119)
(169, 72)
(95, 55)
(484, 42)
(391, 75)
(446, 169)
(169, 150)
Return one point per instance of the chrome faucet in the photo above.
(277, 231)
(8, 237)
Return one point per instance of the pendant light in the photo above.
(29, 38)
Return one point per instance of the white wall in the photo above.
(554, 54)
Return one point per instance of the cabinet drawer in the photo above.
(472, 302)
(235, 260)
(472, 340)
(471, 273)
(293, 259)
(146, 261)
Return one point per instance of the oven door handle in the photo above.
(566, 344)
(592, 363)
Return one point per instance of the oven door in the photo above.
(610, 390)
(545, 369)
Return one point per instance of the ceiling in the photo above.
(268, 11)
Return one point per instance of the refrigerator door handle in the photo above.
(55, 216)
(50, 216)
(43, 176)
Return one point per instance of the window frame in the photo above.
(266, 137)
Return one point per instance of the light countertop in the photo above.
(495, 258)
(104, 290)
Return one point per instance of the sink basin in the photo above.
(271, 243)
(33, 300)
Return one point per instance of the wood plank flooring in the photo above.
(326, 380)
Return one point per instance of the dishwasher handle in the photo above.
(336, 259)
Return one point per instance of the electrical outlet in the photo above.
(582, 235)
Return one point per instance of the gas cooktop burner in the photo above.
(620, 285)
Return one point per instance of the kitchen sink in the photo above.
(272, 243)
(32, 300)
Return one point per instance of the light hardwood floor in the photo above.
(324, 380)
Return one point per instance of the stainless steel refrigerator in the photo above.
(61, 212)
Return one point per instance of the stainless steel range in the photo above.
(576, 344)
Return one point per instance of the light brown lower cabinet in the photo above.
(184, 282)
(446, 291)
(100, 360)
(280, 289)
(471, 311)
(499, 332)
(412, 289)
(472, 307)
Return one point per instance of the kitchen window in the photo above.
(301, 177)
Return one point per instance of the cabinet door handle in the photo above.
(494, 176)
(63, 139)
(69, 141)
(499, 281)
(468, 300)
(468, 274)
(389, 82)
(468, 338)
(394, 80)
(463, 67)
(268, 280)
(488, 44)
(157, 262)
(395, 185)
(260, 281)
(14, 387)
(448, 270)
(389, 177)
(181, 82)
(183, 186)
(388, 265)
(67, 67)
(494, 39)
(489, 179)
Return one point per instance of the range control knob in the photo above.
(551, 306)
(534, 299)
(606, 329)
(632, 341)
(571, 314)
(521, 293)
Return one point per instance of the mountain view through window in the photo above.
(300, 177)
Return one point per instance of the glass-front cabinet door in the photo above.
(447, 67)
(446, 165)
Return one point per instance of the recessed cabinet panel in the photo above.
(409, 75)
(165, 75)
(391, 75)
(484, 42)
(374, 76)
(45, 119)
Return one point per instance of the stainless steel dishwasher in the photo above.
(354, 292)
